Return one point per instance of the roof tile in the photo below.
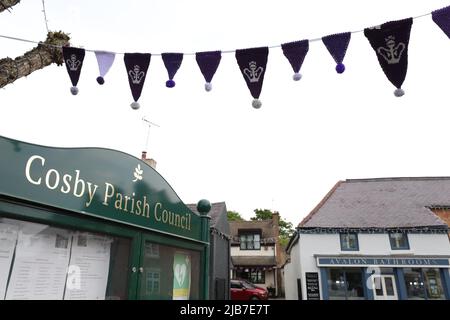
(381, 203)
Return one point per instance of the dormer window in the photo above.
(250, 241)
(349, 242)
(399, 241)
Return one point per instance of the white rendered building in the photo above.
(373, 239)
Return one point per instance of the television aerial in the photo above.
(149, 123)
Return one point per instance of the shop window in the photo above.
(433, 284)
(253, 275)
(257, 276)
(41, 262)
(414, 283)
(250, 241)
(349, 242)
(399, 241)
(336, 284)
(345, 284)
(423, 283)
(354, 279)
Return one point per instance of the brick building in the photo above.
(256, 253)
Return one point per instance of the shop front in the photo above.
(257, 270)
(87, 223)
(384, 278)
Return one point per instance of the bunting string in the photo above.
(270, 240)
(185, 53)
(389, 41)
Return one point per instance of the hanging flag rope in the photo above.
(194, 53)
(389, 41)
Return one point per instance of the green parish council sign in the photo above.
(100, 182)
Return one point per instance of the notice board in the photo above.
(312, 286)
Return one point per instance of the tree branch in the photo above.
(6, 4)
(43, 55)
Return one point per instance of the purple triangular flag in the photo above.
(337, 45)
(390, 42)
(105, 60)
(137, 66)
(252, 63)
(208, 63)
(172, 61)
(442, 18)
(73, 58)
(296, 52)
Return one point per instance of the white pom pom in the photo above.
(74, 90)
(399, 92)
(297, 76)
(135, 105)
(256, 103)
(208, 86)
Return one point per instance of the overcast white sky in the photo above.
(285, 156)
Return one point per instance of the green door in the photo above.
(169, 269)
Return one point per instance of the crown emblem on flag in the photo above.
(253, 73)
(393, 51)
(136, 75)
(73, 63)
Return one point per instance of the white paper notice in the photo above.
(8, 238)
(89, 267)
(40, 265)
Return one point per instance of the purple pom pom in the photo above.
(297, 76)
(340, 68)
(170, 83)
(100, 80)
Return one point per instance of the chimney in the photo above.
(150, 162)
(276, 222)
(276, 217)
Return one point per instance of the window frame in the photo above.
(150, 278)
(341, 238)
(260, 276)
(243, 245)
(426, 284)
(345, 284)
(392, 241)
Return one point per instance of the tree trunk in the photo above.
(6, 4)
(43, 55)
